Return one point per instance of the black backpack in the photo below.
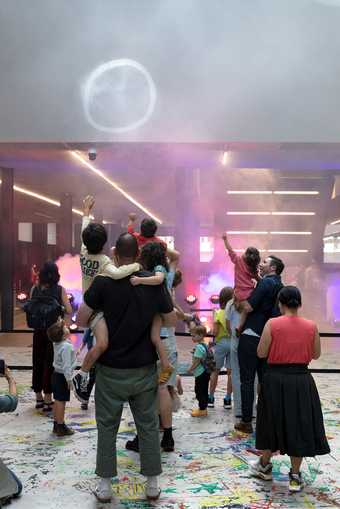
(209, 362)
(44, 308)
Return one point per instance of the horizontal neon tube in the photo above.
(294, 193)
(336, 222)
(293, 213)
(235, 232)
(246, 213)
(44, 198)
(291, 233)
(276, 250)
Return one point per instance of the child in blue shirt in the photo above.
(202, 377)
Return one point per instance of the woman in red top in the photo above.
(289, 416)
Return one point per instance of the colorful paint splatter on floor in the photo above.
(209, 468)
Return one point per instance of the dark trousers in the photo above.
(250, 364)
(42, 362)
(201, 390)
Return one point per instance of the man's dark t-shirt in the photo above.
(129, 312)
(263, 300)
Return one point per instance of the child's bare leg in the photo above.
(59, 411)
(179, 385)
(102, 341)
(243, 318)
(166, 368)
(229, 383)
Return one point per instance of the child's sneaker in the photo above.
(79, 383)
(63, 431)
(165, 374)
(258, 470)
(196, 412)
(211, 401)
(296, 483)
(226, 401)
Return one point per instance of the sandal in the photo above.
(48, 407)
(39, 404)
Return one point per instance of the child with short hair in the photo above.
(148, 229)
(93, 262)
(64, 363)
(246, 275)
(202, 377)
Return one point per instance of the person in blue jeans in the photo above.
(232, 315)
(10, 485)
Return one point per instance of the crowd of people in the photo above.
(129, 312)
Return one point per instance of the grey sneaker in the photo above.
(258, 470)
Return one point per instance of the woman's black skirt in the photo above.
(289, 416)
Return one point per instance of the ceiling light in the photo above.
(336, 222)
(293, 213)
(236, 232)
(248, 213)
(291, 233)
(44, 198)
(126, 195)
(250, 192)
(276, 250)
(225, 157)
(302, 193)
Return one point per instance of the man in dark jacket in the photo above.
(261, 306)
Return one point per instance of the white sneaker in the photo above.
(258, 470)
(152, 491)
(103, 491)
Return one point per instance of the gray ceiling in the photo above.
(227, 70)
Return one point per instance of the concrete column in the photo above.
(64, 227)
(187, 231)
(7, 254)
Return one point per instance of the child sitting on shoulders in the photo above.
(94, 262)
(202, 377)
(64, 363)
(246, 275)
(148, 229)
(153, 258)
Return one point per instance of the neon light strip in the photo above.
(336, 222)
(235, 232)
(290, 233)
(295, 193)
(302, 193)
(44, 198)
(250, 192)
(126, 195)
(253, 213)
(276, 250)
(248, 213)
(293, 213)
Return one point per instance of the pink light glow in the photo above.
(70, 275)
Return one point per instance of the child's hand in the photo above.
(132, 216)
(88, 203)
(134, 280)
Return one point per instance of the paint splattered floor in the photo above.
(208, 470)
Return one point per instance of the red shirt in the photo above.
(144, 240)
(292, 340)
(244, 277)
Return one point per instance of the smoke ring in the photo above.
(99, 72)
